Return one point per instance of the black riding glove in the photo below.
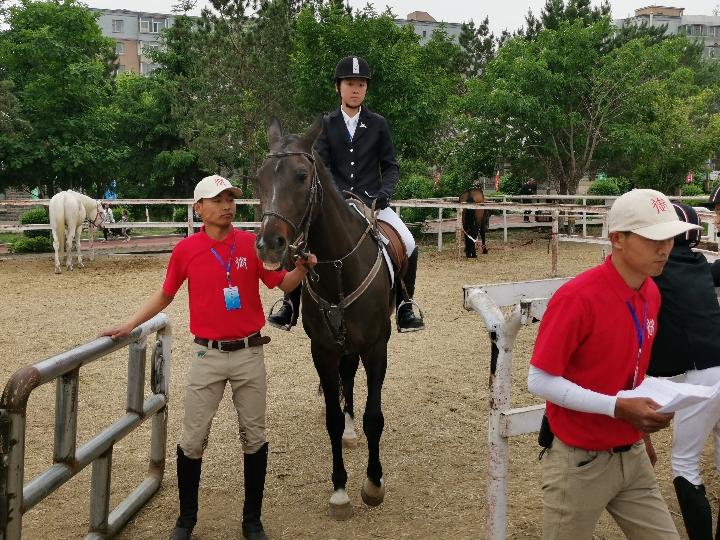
(382, 202)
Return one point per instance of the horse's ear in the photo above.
(308, 139)
(274, 132)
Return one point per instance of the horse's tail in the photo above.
(57, 220)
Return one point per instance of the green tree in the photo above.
(411, 84)
(558, 98)
(477, 46)
(61, 66)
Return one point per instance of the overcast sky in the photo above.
(508, 14)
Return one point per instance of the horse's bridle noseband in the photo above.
(300, 236)
(100, 213)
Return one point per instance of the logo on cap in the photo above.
(659, 205)
(356, 65)
(219, 181)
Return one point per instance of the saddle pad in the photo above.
(385, 241)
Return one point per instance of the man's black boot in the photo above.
(406, 319)
(255, 469)
(286, 317)
(695, 509)
(188, 473)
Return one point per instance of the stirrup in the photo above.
(285, 327)
(421, 318)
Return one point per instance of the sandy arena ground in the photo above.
(435, 405)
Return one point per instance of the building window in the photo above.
(121, 68)
(158, 25)
(145, 26)
(119, 48)
(697, 30)
(118, 25)
(424, 33)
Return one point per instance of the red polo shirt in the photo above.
(588, 336)
(192, 260)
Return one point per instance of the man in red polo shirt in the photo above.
(223, 274)
(594, 341)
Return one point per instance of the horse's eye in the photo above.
(302, 175)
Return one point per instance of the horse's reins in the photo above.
(98, 206)
(334, 313)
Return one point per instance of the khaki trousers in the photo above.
(578, 485)
(210, 371)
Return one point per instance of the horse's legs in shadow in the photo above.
(348, 368)
(470, 252)
(327, 366)
(375, 362)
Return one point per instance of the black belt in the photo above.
(254, 340)
(621, 449)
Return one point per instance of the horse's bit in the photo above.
(333, 314)
(99, 214)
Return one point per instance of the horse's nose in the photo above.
(275, 242)
(278, 242)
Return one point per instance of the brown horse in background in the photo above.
(475, 222)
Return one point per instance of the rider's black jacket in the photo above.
(365, 165)
(688, 335)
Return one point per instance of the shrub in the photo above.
(36, 215)
(690, 190)
(605, 186)
(622, 183)
(415, 187)
(37, 244)
(509, 185)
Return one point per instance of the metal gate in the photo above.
(16, 498)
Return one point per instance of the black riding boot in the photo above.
(255, 468)
(406, 319)
(695, 509)
(286, 317)
(188, 472)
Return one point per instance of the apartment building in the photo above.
(424, 25)
(135, 33)
(704, 28)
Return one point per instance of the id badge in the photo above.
(232, 298)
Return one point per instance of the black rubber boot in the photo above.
(406, 319)
(188, 472)
(255, 468)
(695, 509)
(286, 317)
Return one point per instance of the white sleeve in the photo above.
(569, 395)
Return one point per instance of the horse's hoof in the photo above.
(340, 508)
(350, 441)
(58, 271)
(371, 494)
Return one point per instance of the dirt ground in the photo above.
(435, 405)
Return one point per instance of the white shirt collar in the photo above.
(351, 123)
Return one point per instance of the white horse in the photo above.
(68, 211)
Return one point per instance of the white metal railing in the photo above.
(16, 498)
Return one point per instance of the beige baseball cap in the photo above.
(210, 186)
(648, 213)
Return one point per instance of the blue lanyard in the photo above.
(640, 336)
(222, 263)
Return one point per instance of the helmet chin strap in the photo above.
(348, 108)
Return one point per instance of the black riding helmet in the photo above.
(714, 197)
(689, 215)
(352, 67)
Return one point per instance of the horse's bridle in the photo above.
(100, 214)
(300, 236)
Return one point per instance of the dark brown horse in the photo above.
(475, 222)
(346, 304)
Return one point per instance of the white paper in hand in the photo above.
(672, 396)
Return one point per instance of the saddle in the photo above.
(395, 247)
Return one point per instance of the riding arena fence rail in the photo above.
(557, 211)
(16, 498)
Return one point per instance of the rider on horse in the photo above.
(356, 147)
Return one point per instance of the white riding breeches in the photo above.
(389, 216)
(693, 425)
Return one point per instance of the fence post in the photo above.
(190, 220)
(458, 233)
(440, 232)
(505, 220)
(66, 404)
(554, 242)
(584, 214)
(100, 492)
